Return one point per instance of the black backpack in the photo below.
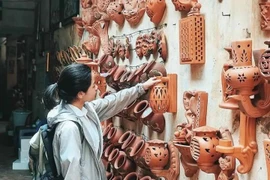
(41, 154)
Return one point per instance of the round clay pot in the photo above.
(140, 108)
(138, 153)
(203, 146)
(132, 176)
(114, 134)
(106, 131)
(157, 154)
(113, 155)
(123, 164)
(109, 175)
(107, 151)
(125, 137)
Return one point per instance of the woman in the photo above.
(78, 154)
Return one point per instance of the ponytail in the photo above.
(50, 98)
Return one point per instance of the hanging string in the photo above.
(138, 32)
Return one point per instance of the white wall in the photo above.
(243, 22)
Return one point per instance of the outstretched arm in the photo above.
(114, 103)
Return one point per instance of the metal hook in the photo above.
(225, 14)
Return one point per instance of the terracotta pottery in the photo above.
(155, 10)
(133, 11)
(138, 47)
(123, 83)
(123, 164)
(159, 98)
(114, 155)
(140, 108)
(121, 50)
(183, 134)
(114, 134)
(110, 79)
(155, 121)
(127, 48)
(132, 176)
(90, 15)
(189, 164)
(100, 29)
(119, 72)
(93, 44)
(243, 76)
(138, 153)
(155, 66)
(117, 178)
(157, 154)
(102, 5)
(227, 90)
(108, 150)
(183, 5)
(114, 11)
(202, 146)
(130, 143)
(86, 3)
(106, 62)
(146, 178)
(263, 62)
(125, 137)
(109, 175)
(129, 111)
(192, 40)
(247, 147)
(146, 48)
(266, 144)
(162, 46)
(78, 21)
(265, 14)
(106, 131)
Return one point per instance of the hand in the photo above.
(150, 82)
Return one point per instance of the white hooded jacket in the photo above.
(76, 158)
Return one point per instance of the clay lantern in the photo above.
(162, 96)
(202, 146)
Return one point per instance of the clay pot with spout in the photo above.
(157, 154)
(155, 121)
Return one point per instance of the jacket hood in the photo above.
(60, 113)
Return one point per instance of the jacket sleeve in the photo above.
(116, 102)
(69, 150)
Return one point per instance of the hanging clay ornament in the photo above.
(138, 47)
(133, 10)
(183, 5)
(114, 11)
(102, 5)
(86, 3)
(162, 46)
(155, 10)
(127, 46)
(93, 44)
(90, 15)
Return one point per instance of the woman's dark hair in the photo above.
(73, 79)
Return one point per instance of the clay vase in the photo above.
(114, 11)
(159, 98)
(125, 137)
(114, 134)
(132, 176)
(123, 164)
(157, 154)
(155, 10)
(140, 108)
(203, 146)
(138, 153)
(114, 155)
(155, 121)
(243, 76)
(106, 62)
(130, 139)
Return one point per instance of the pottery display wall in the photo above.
(225, 22)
